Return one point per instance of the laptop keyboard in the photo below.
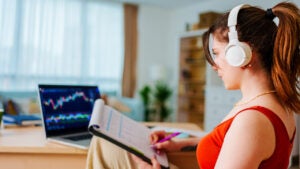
(79, 137)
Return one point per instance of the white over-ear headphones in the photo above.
(237, 53)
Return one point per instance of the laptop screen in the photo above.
(66, 109)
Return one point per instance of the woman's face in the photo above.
(231, 76)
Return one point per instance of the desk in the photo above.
(26, 148)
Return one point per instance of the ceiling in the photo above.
(163, 3)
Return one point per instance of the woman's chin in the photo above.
(230, 87)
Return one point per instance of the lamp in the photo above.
(158, 73)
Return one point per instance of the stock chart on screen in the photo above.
(67, 107)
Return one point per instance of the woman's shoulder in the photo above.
(265, 118)
(253, 118)
(258, 121)
(249, 114)
(250, 134)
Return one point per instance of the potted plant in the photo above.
(145, 93)
(162, 93)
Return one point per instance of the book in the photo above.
(21, 120)
(124, 132)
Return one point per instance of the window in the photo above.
(60, 41)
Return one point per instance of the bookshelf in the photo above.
(192, 79)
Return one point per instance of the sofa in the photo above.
(27, 103)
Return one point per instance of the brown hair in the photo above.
(277, 47)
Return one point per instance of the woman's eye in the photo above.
(214, 55)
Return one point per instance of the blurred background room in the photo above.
(145, 56)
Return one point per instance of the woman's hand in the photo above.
(166, 146)
(144, 165)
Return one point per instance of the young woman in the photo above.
(252, 54)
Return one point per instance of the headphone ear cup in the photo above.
(238, 54)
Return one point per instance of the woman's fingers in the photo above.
(156, 136)
(144, 165)
(155, 163)
(164, 146)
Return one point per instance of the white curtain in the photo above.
(60, 41)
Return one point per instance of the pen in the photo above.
(169, 137)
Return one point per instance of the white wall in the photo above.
(153, 39)
(160, 30)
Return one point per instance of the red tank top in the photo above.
(209, 147)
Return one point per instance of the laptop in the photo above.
(66, 112)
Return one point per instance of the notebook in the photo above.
(115, 127)
(66, 112)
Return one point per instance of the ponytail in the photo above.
(286, 57)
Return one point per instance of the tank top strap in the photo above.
(274, 118)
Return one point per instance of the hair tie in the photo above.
(270, 14)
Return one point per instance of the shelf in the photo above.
(194, 61)
(191, 96)
(193, 33)
(192, 79)
(193, 82)
(191, 49)
(192, 75)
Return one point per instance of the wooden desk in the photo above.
(27, 148)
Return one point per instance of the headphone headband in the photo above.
(232, 18)
(232, 21)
